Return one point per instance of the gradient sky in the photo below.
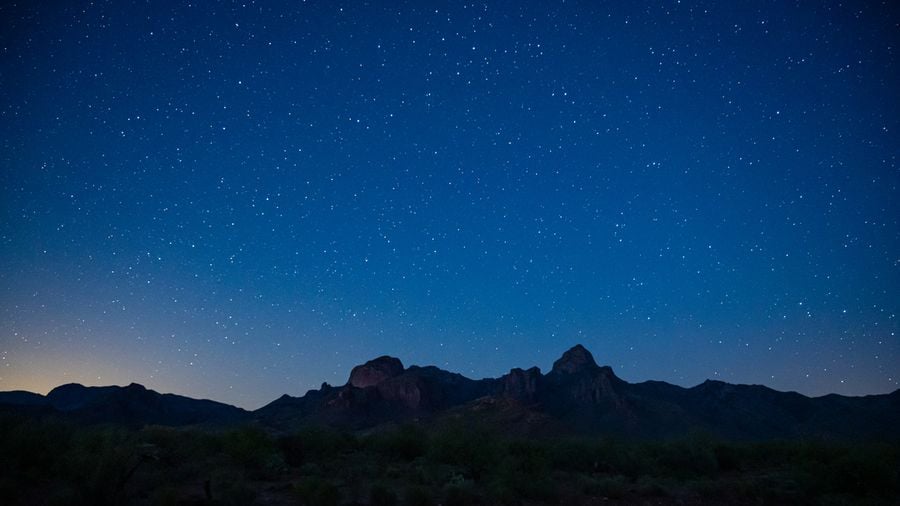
(237, 200)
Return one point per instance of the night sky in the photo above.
(240, 200)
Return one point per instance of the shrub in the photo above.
(613, 487)
(685, 459)
(728, 457)
(460, 494)
(316, 491)
(649, 486)
(99, 463)
(417, 495)
(29, 449)
(523, 477)
(576, 456)
(380, 495)
(477, 452)
(315, 444)
(232, 491)
(407, 443)
(252, 449)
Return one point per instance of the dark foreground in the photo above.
(50, 462)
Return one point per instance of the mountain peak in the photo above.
(575, 359)
(375, 371)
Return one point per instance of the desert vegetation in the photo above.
(52, 462)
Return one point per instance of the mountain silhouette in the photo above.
(580, 397)
(577, 396)
(131, 405)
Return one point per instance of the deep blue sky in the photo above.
(240, 200)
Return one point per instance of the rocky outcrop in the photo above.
(521, 385)
(375, 371)
(578, 385)
(575, 360)
(596, 386)
(408, 390)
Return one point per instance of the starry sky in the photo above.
(236, 200)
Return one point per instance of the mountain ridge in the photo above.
(577, 396)
(131, 405)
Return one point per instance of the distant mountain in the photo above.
(22, 398)
(577, 396)
(130, 405)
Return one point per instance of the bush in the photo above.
(417, 495)
(253, 450)
(652, 487)
(685, 459)
(613, 487)
(524, 473)
(230, 489)
(460, 494)
(58, 463)
(99, 464)
(315, 444)
(515, 480)
(316, 491)
(406, 444)
(380, 495)
(476, 452)
(599, 456)
(728, 457)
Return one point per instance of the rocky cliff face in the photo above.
(521, 385)
(575, 360)
(383, 390)
(409, 391)
(375, 371)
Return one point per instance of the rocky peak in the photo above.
(576, 359)
(375, 371)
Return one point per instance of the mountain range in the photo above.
(576, 397)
